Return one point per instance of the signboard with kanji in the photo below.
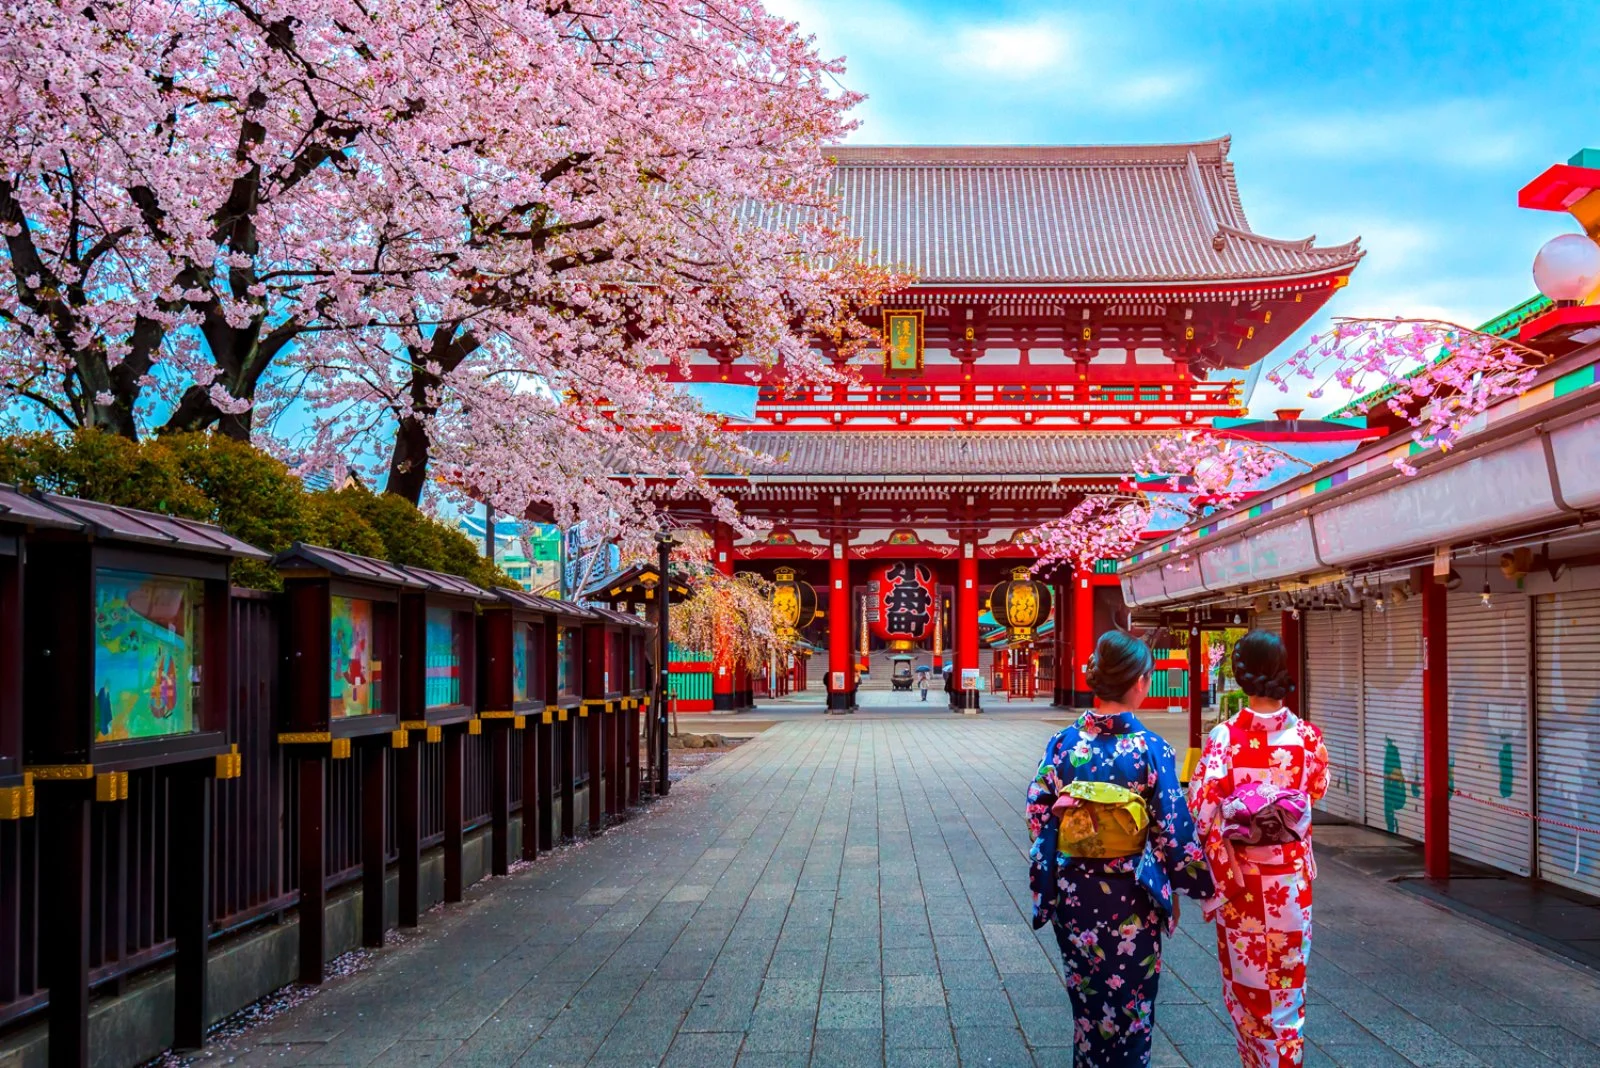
(902, 342)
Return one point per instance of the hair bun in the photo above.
(1260, 666)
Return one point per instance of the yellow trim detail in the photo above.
(548, 716)
(434, 735)
(14, 802)
(111, 786)
(341, 749)
(57, 772)
(400, 739)
(498, 714)
(519, 722)
(561, 714)
(304, 737)
(474, 726)
(414, 724)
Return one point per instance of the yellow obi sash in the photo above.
(1108, 821)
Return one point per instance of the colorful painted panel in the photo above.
(148, 654)
(355, 669)
(442, 686)
(521, 654)
(567, 669)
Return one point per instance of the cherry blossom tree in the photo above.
(1201, 470)
(463, 236)
(1436, 375)
(731, 617)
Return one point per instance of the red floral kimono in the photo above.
(1263, 902)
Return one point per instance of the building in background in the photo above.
(529, 552)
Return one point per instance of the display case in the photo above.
(565, 713)
(341, 643)
(126, 659)
(438, 655)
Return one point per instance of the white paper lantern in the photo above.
(1567, 267)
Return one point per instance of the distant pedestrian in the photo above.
(1259, 774)
(922, 685)
(1112, 840)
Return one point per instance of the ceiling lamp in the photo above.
(1567, 268)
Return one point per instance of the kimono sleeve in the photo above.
(1172, 829)
(1045, 787)
(1205, 802)
(1316, 762)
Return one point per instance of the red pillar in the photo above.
(722, 672)
(1061, 605)
(841, 674)
(1435, 732)
(966, 636)
(1082, 635)
(1293, 648)
(1197, 699)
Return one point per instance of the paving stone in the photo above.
(844, 893)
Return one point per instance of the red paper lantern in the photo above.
(901, 602)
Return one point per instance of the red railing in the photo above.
(1175, 396)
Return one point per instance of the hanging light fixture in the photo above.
(1487, 597)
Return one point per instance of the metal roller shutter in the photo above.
(1567, 737)
(1271, 622)
(1333, 703)
(1488, 677)
(1391, 691)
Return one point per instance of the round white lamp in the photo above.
(1567, 267)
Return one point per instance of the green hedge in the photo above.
(245, 492)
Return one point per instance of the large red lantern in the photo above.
(901, 603)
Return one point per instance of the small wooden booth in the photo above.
(514, 657)
(125, 668)
(438, 702)
(608, 644)
(341, 642)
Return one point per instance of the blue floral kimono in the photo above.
(1109, 914)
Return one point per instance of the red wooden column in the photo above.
(1294, 653)
(1083, 635)
(1435, 732)
(1197, 699)
(966, 635)
(722, 677)
(841, 675)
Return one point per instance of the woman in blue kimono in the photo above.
(1113, 841)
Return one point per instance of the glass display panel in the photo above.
(149, 654)
(446, 648)
(355, 670)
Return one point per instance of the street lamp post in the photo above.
(663, 678)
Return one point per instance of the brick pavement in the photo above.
(852, 892)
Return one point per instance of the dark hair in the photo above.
(1261, 667)
(1119, 661)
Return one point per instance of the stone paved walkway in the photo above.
(852, 892)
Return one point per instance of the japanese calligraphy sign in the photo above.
(902, 342)
(900, 600)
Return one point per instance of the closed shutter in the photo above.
(1332, 702)
(1567, 738)
(1488, 677)
(1271, 622)
(1391, 668)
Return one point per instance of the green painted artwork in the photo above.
(1508, 769)
(148, 654)
(355, 674)
(442, 682)
(1394, 786)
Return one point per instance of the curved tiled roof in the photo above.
(947, 452)
(1064, 215)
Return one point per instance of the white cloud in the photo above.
(1011, 50)
(1464, 132)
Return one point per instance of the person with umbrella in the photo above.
(922, 680)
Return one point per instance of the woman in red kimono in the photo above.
(1260, 772)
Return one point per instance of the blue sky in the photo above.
(1411, 125)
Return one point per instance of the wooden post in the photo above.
(568, 756)
(500, 731)
(635, 772)
(1294, 654)
(454, 739)
(591, 724)
(189, 903)
(549, 774)
(64, 812)
(1435, 730)
(723, 674)
(408, 828)
(534, 790)
(374, 847)
(313, 866)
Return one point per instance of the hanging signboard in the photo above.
(902, 342)
(969, 678)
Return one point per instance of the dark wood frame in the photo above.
(513, 721)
